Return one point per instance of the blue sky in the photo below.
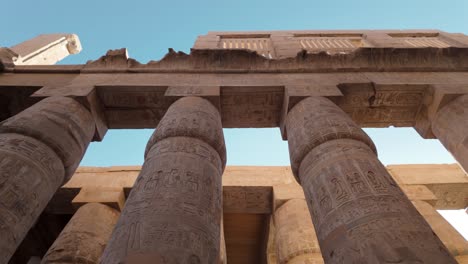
(148, 28)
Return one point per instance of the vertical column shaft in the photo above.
(40, 148)
(173, 213)
(84, 237)
(359, 213)
(222, 247)
(295, 237)
(450, 126)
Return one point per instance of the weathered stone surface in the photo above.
(454, 241)
(30, 173)
(308, 128)
(42, 147)
(84, 237)
(222, 247)
(192, 117)
(359, 212)
(174, 210)
(46, 49)
(61, 123)
(450, 126)
(295, 235)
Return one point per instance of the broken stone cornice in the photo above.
(117, 58)
(368, 59)
(452, 59)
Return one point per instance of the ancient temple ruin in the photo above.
(336, 203)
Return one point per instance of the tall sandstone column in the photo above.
(359, 213)
(84, 237)
(40, 148)
(450, 126)
(173, 213)
(295, 239)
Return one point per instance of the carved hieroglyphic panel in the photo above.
(30, 173)
(247, 199)
(371, 105)
(174, 209)
(251, 106)
(134, 107)
(360, 213)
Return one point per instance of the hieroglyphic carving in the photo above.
(251, 199)
(123, 104)
(246, 106)
(373, 199)
(326, 120)
(30, 173)
(61, 123)
(369, 104)
(192, 117)
(359, 212)
(84, 237)
(173, 213)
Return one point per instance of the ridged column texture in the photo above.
(84, 237)
(173, 213)
(40, 148)
(359, 213)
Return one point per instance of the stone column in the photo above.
(40, 148)
(173, 213)
(454, 241)
(359, 213)
(84, 237)
(222, 247)
(295, 237)
(450, 126)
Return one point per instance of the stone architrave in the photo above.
(295, 237)
(84, 237)
(359, 212)
(450, 126)
(40, 148)
(173, 213)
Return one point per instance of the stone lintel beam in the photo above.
(112, 197)
(373, 99)
(82, 89)
(452, 239)
(435, 99)
(210, 93)
(247, 199)
(46, 49)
